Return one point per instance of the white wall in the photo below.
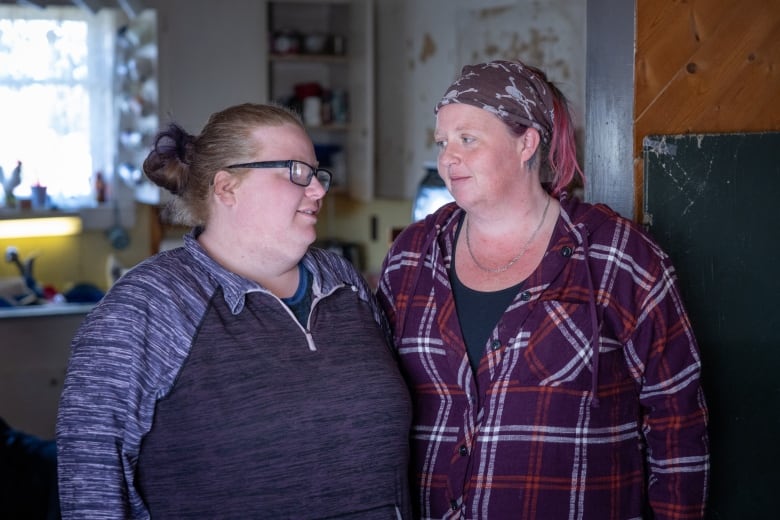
(210, 57)
(422, 44)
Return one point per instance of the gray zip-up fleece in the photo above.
(193, 392)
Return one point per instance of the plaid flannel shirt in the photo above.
(527, 438)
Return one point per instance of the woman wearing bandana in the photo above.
(553, 368)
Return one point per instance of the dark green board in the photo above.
(712, 201)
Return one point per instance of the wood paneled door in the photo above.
(704, 66)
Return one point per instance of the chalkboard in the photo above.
(711, 201)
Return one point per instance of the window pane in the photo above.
(51, 81)
(43, 50)
(50, 135)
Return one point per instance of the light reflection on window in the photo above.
(57, 100)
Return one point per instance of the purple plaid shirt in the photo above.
(527, 437)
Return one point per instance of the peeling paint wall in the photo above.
(421, 46)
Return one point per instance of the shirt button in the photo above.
(454, 505)
(566, 252)
(525, 296)
(495, 345)
(463, 450)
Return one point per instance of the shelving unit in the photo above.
(320, 62)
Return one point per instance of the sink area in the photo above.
(14, 292)
(19, 290)
(24, 294)
(17, 300)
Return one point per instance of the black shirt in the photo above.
(478, 312)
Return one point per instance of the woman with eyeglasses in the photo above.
(245, 374)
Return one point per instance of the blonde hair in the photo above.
(185, 165)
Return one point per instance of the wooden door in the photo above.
(704, 66)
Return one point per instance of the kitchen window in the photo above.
(65, 93)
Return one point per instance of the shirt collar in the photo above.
(234, 287)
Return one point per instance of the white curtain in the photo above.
(56, 99)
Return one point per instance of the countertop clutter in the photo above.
(23, 295)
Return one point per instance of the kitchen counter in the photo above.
(46, 309)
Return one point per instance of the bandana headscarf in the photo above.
(517, 94)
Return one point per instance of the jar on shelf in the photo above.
(286, 42)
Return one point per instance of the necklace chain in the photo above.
(518, 256)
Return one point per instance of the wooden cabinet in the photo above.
(34, 357)
(215, 54)
(209, 57)
(320, 62)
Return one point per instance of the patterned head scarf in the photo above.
(516, 93)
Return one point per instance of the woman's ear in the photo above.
(529, 143)
(225, 186)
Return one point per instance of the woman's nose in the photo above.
(447, 156)
(315, 189)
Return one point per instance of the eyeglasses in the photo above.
(300, 172)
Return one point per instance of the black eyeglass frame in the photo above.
(290, 164)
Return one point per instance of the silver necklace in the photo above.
(518, 256)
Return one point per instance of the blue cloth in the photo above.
(28, 476)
